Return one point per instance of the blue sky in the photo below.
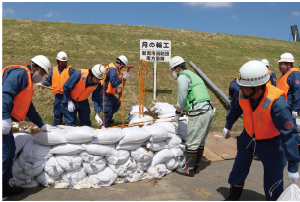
(267, 20)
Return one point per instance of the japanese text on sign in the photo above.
(155, 50)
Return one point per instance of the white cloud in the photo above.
(234, 17)
(211, 4)
(52, 12)
(8, 11)
(296, 13)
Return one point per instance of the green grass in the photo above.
(219, 56)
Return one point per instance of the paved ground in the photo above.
(210, 185)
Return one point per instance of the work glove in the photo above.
(293, 176)
(226, 133)
(71, 106)
(46, 128)
(6, 126)
(126, 76)
(39, 85)
(294, 115)
(98, 119)
(118, 91)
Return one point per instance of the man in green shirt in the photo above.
(192, 97)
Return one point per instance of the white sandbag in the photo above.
(158, 133)
(53, 168)
(291, 193)
(128, 146)
(172, 163)
(135, 109)
(69, 162)
(174, 141)
(31, 168)
(119, 157)
(157, 171)
(94, 166)
(134, 135)
(18, 171)
(78, 135)
(182, 129)
(181, 161)
(21, 139)
(88, 157)
(105, 178)
(141, 154)
(54, 137)
(107, 136)
(124, 169)
(170, 126)
(157, 146)
(162, 116)
(140, 118)
(99, 149)
(163, 108)
(29, 183)
(136, 176)
(177, 152)
(74, 176)
(45, 179)
(66, 149)
(143, 165)
(33, 152)
(161, 157)
(298, 125)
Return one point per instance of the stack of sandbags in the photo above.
(163, 109)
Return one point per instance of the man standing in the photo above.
(57, 78)
(77, 89)
(17, 92)
(109, 88)
(272, 80)
(192, 97)
(270, 131)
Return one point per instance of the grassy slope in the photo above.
(219, 56)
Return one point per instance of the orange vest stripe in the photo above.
(58, 80)
(80, 92)
(22, 100)
(233, 79)
(282, 81)
(110, 89)
(260, 121)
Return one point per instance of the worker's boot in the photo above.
(10, 191)
(235, 193)
(190, 161)
(198, 160)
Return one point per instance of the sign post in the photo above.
(155, 51)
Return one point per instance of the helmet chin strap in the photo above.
(252, 94)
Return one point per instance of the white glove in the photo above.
(39, 85)
(6, 126)
(294, 115)
(118, 91)
(226, 133)
(98, 119)
(293, 176)
(46, 128)
(71, 106)
(126, 76)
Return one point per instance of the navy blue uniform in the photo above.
(273, 78)
(233, 87)
(293, 94)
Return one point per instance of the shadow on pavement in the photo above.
(25, 194)
(247, 195)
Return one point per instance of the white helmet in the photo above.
(42, 61)
(252, 74)
(123, 59)
(265, 62)
(175, 61)
(62, 56)
(98, 71)
(286, 57)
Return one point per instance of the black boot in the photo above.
(198, 161)
(190, 161)
(10, 191)
(235, 193)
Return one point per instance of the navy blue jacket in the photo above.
(233, 87)
(293, 94)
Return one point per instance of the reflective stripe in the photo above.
(266, 103)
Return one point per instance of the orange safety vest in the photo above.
(260, 121)
(282, 81)
(80, 92)
(58, 80)
(22, 100)
(110, 89)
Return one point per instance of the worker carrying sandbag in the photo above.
(57, 78)
(77, 90)
(192, 97)
(272, 80)
(17, 93)
(270, 131)
(109, 86)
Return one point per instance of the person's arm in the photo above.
(48, 81)
(71, 71)
(182, 91)
(294, 83)
(70, 85)
(34, 116)
(112, 76)
(235, 111)
(285, 124)
(273, 79)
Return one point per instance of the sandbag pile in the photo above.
(83, 157)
